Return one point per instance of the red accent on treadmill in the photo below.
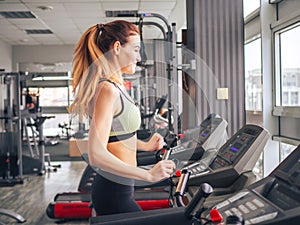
(244, 138)
(215, 216)
(178, 173)
(153, 204)
(81, 210)
(181, 136)
(72, 210)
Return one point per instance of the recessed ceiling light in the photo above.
(24, 40)
(121, 13)
(17, 14)
(45, 7)
(38, 31)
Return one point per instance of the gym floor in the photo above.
(32, 198)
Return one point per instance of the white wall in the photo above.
(178, 15)
(42, 54)
(5, 56)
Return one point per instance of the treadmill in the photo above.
(242, 149)
(230, 169)
(274, 200)
(76, 205)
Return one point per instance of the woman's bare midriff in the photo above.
(125, 150)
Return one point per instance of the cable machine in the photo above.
(171, 72)
(170, 49)
(10, 130)
(10, 136)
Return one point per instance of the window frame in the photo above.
(277, 28)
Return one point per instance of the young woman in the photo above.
(103, 54)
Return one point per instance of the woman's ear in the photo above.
(117, 46)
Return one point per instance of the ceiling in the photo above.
(68, 19)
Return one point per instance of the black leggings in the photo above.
(109, 197)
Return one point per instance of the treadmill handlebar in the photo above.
(181, 187)
(204, 191)
(166, 154)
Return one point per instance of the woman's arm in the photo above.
(98, 154)
(156, 142)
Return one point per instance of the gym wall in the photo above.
(5, 56)
(41, 54)
(6, 64)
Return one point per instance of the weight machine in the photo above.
(10, 136)
(10, 130)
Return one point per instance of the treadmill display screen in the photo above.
(284, 196)
(205, 133)
(209, 127)
(285, 191)
(229, 154)
(236, 147)
(234, 150)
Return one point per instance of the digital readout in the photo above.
(235, 147)
(203, 134)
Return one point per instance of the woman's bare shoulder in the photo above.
(107, 89)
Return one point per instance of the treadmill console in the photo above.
(212, 134)
(207, 127)
(272, 200)
(233, 150)
(239, 154)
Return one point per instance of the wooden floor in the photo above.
(32, 198)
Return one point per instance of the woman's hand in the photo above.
(162, 170)
(156, 142)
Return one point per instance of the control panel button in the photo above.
(244, 138)
(263, 218)
(228, 213)
(258, 203)
(251, 206)
(236, 211)
(243, 209)
(215, 216)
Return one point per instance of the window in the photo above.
(288, 61)
(287, 81)
(250, 6)
(57, 96)
(60, 98)
(294, 98)
(285, 96)
(253, 76)
(285, 150)
(55, 126)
